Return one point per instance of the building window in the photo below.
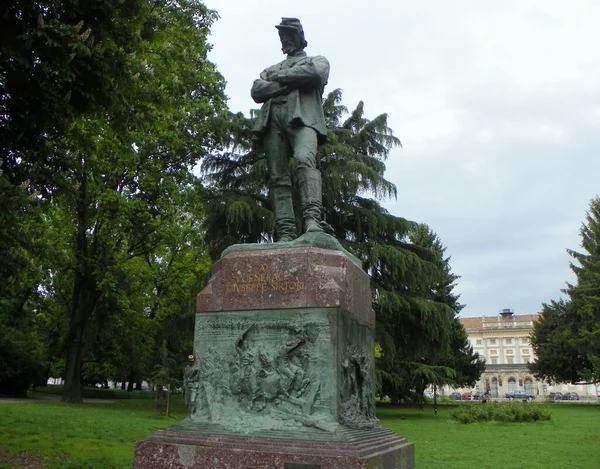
(508, 341)
(509, 360)
(525, 351)
(512, 384)
(478, 342)
(493, 352)
(529, 387)
(494, 361)
(524, 340)
(492, 341)
(494, 388)
(509, 352)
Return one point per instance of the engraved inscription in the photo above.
(264, 281)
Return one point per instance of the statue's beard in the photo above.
(288, 49)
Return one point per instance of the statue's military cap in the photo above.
(291, 23)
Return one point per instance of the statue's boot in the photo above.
(309, 181)
(285, 222)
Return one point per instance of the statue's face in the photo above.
(290, 41)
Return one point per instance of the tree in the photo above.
(24, 248)
(123, 205)
(411, 321)
(140, 106)
(566, 338)
(237, 202)
(556, 341)
(58, 61)
(452, 362)
(154, 301)
(164, 378)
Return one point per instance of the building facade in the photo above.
(503, 341)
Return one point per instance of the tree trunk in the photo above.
(138, 385)
(157, 397)
(130, 381)
(168, 399)
(123, 385)
(83, 305)
(85, 295)
(72, 390)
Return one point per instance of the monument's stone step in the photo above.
(380, 449)
(341, 434)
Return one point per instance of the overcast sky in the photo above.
(497, 104)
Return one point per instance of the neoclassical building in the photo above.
(503, 340)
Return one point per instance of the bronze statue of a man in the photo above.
(291, 124)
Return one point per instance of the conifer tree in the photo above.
(411, 320)
(566, 339)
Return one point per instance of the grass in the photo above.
(88, 436)
(569, 440)
(94, 436)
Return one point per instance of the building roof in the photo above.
(497, 321)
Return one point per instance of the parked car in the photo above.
(456, 396)
(520, 395)
(570, 396)
(467, 396)
(555, 396)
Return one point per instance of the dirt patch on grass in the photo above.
(22, 461)
(26, 460)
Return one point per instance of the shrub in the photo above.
(501, 412)
(19, 367)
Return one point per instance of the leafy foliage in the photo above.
(60, 60)
(566, 339)
(125, 103)
(428, 343)
(513, 412)
(22, 327)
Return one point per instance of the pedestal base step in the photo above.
(180, 450)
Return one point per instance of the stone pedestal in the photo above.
(179, 450)
(284, 369)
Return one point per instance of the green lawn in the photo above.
(94, 436)
(90, 436)
(570, 440)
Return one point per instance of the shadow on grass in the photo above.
(391, 413)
